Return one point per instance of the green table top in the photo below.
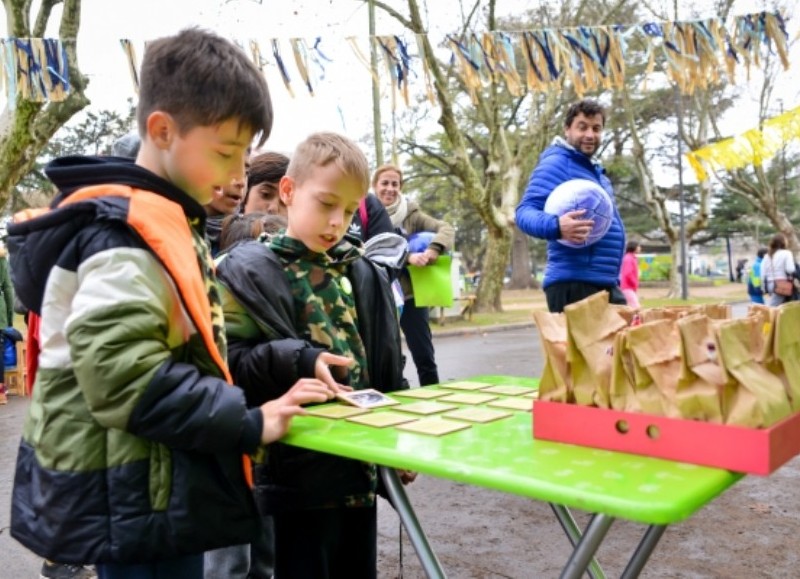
(503, 455)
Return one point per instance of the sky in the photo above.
(343, 100)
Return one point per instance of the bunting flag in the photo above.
(130, 55)
(34, 69)
(750, 148)
(693, 54)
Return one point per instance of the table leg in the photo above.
(399, 499)
(570, 527)
(643, 551)
(584, 552)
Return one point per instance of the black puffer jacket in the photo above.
(267, 357)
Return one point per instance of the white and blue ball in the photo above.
(578, 194)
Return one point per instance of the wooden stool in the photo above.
(16, 377)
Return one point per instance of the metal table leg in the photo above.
(584, 552)
(574, 534)
(643, 551)
(427, 558)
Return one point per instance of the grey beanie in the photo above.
(127, 146)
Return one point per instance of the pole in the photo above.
(376, 95)
(683, 272)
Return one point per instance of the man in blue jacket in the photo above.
(573, 273)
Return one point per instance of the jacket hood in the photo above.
(35, 245)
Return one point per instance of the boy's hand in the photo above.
(407, 476)
(331, 369)
(278, 413)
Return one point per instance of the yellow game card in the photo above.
(477, 414)
(382, 419)
(513, 404)
(433, 426)
(421, 393)
(508, 390)
(464, 385)
(426, 407)
(469, 398)
(336, 411)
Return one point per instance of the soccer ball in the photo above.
(419, 242)
(583, 194)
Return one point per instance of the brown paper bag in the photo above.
(702, 379)
(621, 394)
(664, 313)
(655, 348)
(591, 328)
(714, 311)
(759, 400)
(787, 348)
(555, 384)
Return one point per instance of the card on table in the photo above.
(513, 404)
(382, 419)
(508, 390)
(421, 393)
(368, 398)
(336, 411)
(469, 398)
(433, 426)
(426, 407)
(477, 414)
(464, 385)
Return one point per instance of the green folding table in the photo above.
(503, 455)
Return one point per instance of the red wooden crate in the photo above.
(749, 450)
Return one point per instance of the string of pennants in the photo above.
(33, 69)
(693, 54)
(752, 147)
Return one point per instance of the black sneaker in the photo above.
(52, 570)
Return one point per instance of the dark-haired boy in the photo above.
(131, 455)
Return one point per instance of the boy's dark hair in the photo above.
(239, 227)
(267, 167)
(588, 107)
(762, 252)
(201, 80)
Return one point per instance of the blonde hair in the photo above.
(382, 169)
(322, 149)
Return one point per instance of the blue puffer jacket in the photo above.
(598, 263)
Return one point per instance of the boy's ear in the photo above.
(161, 129)
(286, 190)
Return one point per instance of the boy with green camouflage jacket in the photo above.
(309, 304)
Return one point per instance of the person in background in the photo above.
(6, 314)
(131, 456)
(777, 265)
(245, 226)
(370, 220)
(629, 274)
(408, 218)
(754, 288)
(263, 176)
(574, 273)
(225, 202)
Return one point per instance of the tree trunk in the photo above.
(675, 287)
(521, 274)
(493, 270)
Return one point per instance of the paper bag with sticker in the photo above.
(655, 351)
(555, 384)
(787, 348)
(759, 399)
(702, 381)
(591, 328)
